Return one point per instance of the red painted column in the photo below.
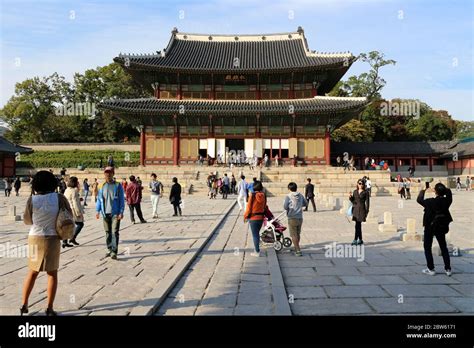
(314, 92)
(430, 160)
(176, 147)
(142, 146)
(157, 92)
(327, 147)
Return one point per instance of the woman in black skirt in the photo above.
(360, 208)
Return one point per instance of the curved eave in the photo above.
(341, 65)
(308, 106)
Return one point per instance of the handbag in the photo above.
(64, 222)
(349, 210)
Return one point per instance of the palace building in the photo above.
(260, 94)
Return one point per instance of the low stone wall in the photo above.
(83, 146)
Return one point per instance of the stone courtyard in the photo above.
(200, 264)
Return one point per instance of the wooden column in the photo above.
(327, 147)
(179, 94)
(430, 162)
(396, 163)
(175, 143)
(314, 92)
(142, 146)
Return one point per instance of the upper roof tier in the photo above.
(236, 53)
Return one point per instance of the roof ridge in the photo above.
(236, 100)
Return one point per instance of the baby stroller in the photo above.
(272, 231)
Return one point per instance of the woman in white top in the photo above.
(72, 195)
(43, 243)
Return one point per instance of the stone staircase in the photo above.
(328, 181)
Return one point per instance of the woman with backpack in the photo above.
(254, 214)
(436, 220)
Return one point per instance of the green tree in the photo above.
(433, 126)
(32, 112)
(355, 131)
(464, 129)
(107, 82)
(367, 84)
(29, 112)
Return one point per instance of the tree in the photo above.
(107, 82)
(33, 116)
(464, 129)
(29, 111)
(433, 126)
(354, 131)
(367, 84)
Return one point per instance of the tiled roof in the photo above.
(316, 105)
(236, 53)
(461, 149)
(391, 148)
(9, 147)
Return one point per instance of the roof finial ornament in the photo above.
(174, 31)
(300, 30)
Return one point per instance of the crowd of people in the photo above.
(240, 159)
(50, 197)
(348, 163)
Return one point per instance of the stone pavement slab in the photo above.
(90, 283)
(389, 266)
(411, 305)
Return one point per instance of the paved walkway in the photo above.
(196, 265)
(389, 279)
(90, 283)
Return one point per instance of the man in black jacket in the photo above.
(436, 219)
(175, 197)
(309, 195)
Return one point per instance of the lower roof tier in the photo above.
(315, 105)
(319, 110)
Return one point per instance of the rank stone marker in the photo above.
(387, 225)
(12, 215)
(411, 231)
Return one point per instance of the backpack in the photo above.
(64, 222)
(440, 224)
(155, 187)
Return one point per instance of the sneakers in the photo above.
(354, 242)
(430, 272)
(449, 272)
(255, 254)
(360, 242)
(113, 256)
(107, 254)
(298, 253)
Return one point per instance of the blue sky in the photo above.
(431, 40)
